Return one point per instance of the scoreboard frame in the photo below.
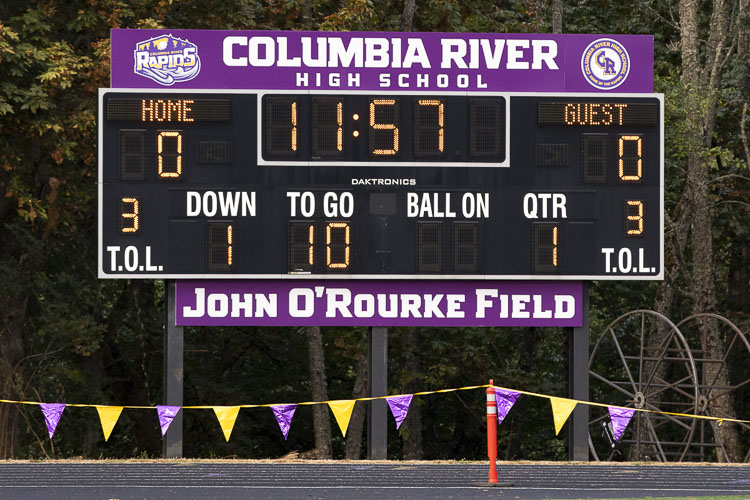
(261, 162)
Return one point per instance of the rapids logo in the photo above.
(167, 60)
(605, 63)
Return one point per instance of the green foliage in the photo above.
(91, 341)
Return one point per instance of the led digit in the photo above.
(429, 247)
(487, 129)
(311, 245)
(327, 127)
(129, 214)
(384, 140)
(337, 245)
(634, 216)
(132, 147)
(169, 154)
(554, 245)
(595, 157)
(301, 246)
(429, 120)
(466, 247)
(281, 128)
(630, 158)
(546, 247)
(229, 245)
(340, 123)
(220, 245)
(293, 138)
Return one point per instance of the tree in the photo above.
(701, 82)
(65, 335)
(322, 421)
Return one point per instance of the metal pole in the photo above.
(174, 346)
(578, 444)
(377, 428)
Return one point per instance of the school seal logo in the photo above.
(605, 63)
(167, 60)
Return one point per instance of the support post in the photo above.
(174, 347)
(377, 429)
(578, 379)
(492, 432)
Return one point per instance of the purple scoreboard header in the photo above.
(300, 60)
(377, 303)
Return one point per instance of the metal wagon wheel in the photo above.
(724, 375)
(642, 361)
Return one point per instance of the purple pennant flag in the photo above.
(620, 418)
(52, 413)
(166, 415)
(505, 401)
(284, 415)
(399, 407)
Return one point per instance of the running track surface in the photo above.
(362, 480)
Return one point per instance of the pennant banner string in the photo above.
(342, 410)
(399, 406)
(423, 393)
(561, 410)
(108, 415)
(284, 415)
(504, 400)
(602, 405)
(166, 415)
(52, 413)
(227, 416)
(619, 419)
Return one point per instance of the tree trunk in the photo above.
(743, 35)
(557, 16)
(128, 383)
(12, 352)
(357, 423)
(701, 86)
(411, 428)
(321, 420)
(407, 17)
(518, 415)
(306, 15)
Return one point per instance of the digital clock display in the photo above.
(256, 184)
(357, 128)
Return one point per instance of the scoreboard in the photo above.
(367, 185)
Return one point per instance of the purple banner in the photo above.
(619, 418)
(52, 413)
(299, 60)
(505, 399)
(284, 415)
(399, 406)
(377, 303)
(166, 416)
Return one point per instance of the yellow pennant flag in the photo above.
(342, 410)
(561, 410)
(108, 415)
(227, 416)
